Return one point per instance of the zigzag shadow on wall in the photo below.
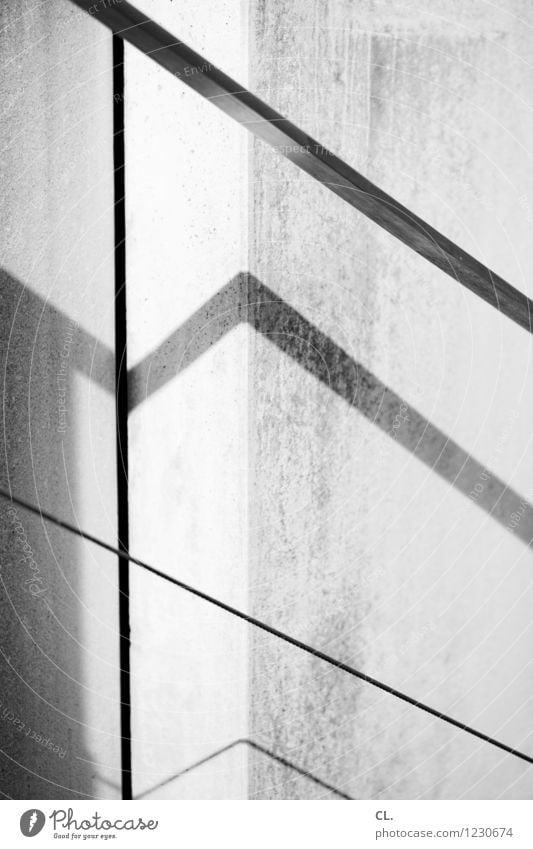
(44, 623)
(246, 299)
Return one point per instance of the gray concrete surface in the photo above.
(363, 538)
(361, 532)
(59, 707)
(187, 218)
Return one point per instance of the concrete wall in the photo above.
(59, 712)
(186, 173)
(391, 529)
(350, 524)
(363, 539)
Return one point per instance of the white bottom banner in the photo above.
(264, 825)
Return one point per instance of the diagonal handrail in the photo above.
(294, 144)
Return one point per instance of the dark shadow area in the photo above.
(246, 299)
(258, 748)
(42, 712)
(40, 633)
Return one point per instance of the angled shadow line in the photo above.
(87, 355)
(246, 299)
(258, 748)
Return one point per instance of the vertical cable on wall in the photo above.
(121, 387)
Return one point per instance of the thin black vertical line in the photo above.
(121, 387)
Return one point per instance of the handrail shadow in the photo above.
(246, 299)
(258, 748)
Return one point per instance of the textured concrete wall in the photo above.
(59, 711)
(186, 170)
(347, 523)
(363, 538)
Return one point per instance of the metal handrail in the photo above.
(294, 144)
